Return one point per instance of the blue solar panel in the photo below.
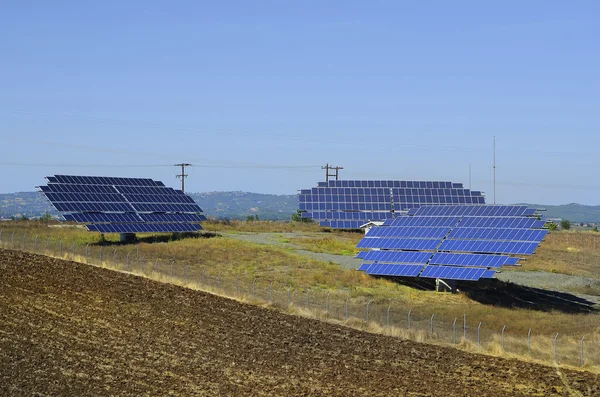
(488, 274)
(404, 270)
(454, 273)
(487, 210)
(417, 232)
(487, 246)
(498, 234)
(502, 222)
(399, 243)
(395, 256)
(478, 260)
(430, 221)
(123, 205)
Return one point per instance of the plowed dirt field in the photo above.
(68, 329)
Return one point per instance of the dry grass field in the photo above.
(72, 329)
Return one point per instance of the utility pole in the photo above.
(494, 170)
(328, 167)
(183, 175)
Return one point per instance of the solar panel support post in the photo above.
(183, 175)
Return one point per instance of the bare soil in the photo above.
(68, 329)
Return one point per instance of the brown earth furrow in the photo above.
(72, 329)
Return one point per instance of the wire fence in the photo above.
(390, 318)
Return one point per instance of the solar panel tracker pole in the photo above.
(581, 361)
(479, 335)
(503, 328)
(409, 311)
(529, 341)
(555, 338)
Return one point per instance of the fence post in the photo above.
(307, 299)
(529, 341)
(47, 243)
(60, 246)
(87, 251)
(347, 307)
(23, 242)
(454, 329)
(289, 296)
(73, 251)
(0, 237)
(253, 286)
(187, 267)
(172, 263)
(271, 292)
(137, 255)
(218, 279)
(581, 357)
(127, 260)
(555, 338)
(12, 241)
(101, 256)
(202, 278)
(503, 328)
(156, 266)
(368, 304)
(34, 242)
(115, 256)
(479, 335)
(431, 324)
(409, 311)
(237, 285)
(465, 326)
(387, 316)
(327, 304)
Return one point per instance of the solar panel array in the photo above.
(350, 204)
(463, 242)
(123, 205)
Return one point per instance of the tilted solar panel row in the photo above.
(479, 260)
(492, 247)
(159, 198)
(332, 215)
(345, 206)
(501, 222)
(399, 243)
(498, 234)
(99, 180)
(407, 221)
(342, 224)
(454, 273)
(405, 270)
(417, 232)
(395, 256)
(403, 184)
(93, 207)
(487, 210)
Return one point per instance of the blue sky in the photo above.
(258, 95)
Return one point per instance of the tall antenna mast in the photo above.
(183, 175)
(494, 169)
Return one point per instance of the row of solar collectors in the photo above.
(477, 222)
(100, 180)
(440, 258)
(334, 215)
(443, 272)
(399, 200)
(124, 207)
(488, 210)
(387, 192)
(395, 256)
(345, 206)
(399, 243)
(68, 188)
(90, 217)
(472, 233)
(143, 227)
(410, 184)
(486, 246)
(464, 233)
(118, 198)
(342, 224)
(415, 232)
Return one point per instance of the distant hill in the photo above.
(238, 205)
(223, 205)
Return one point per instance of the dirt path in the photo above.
(68, 329)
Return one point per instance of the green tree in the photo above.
(565, 224)
(297, 217)
(252, 218)
(552, 226)
(23, 218)
(46, 217)
(595, 229)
